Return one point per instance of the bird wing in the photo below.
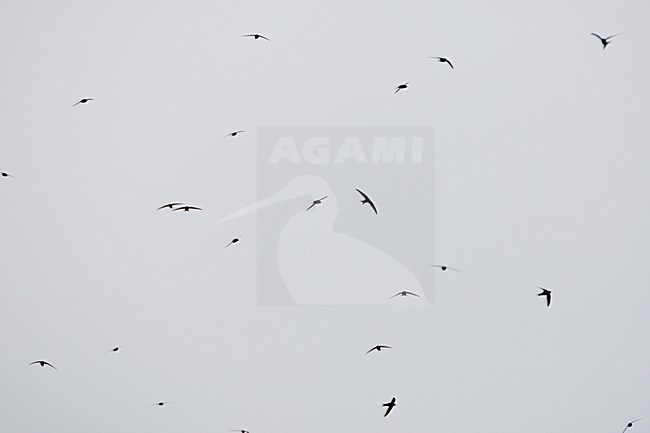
(452, 66)
(363, 194)
(609, 37)
(397, 294)
(454, 269)
(548, 299)
(372, 205)
(35, 362)
(374, 348)
(264, 37)
(411, 293)
(598, 36)
(194, 207)
(77, 103)
(385, 347)
(47, 363)
(312, 205)
(322, 198)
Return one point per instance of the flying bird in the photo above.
(315, 202)
(187, 208)
(629, 424)
(378, 348)
(401, 86)
(43, 364)
(83, 101)
(241, 431)
(170, 205)
(546, 293)
(115, 349)
(234, 241)
(4, 174)
(605, 41)
(232, 134)
(390, 405)
(366, 199)
(443, 60)
(160, 403)
(404, 293)
(445, 267)
(256, 36)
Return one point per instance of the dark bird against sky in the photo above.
(256, 36)
(629, 424)
(83, 101)
(5, 174)
(605, 41)
(234, 241)
(546, 293)
(443, 60)
(170, 205)
(445, 267)
(42, 364)
(232, 134)
(366, 199)
(187, 208)
(378, 348)
(401, 87)
(390, 405)
(404, 293)
(315, 202)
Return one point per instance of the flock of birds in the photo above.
(178, 206)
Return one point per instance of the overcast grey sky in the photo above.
(541, 179)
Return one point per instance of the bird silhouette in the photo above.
(234, 241)
(378, 348)
(5, 174)
(160, 403)
(241, 431)
(445, 267)
(629, 424)
(404, 293)
(443, 60)
(366, 199)
(115, 349)
(256, 36)
(390, 405)
(605, 41)
(315, 202)
(546, 293)
(187, 208)
(83, 101)
(232, 134)
(43, 364)
(401, 86)
(170, 205)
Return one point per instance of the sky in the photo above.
(540, 179)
